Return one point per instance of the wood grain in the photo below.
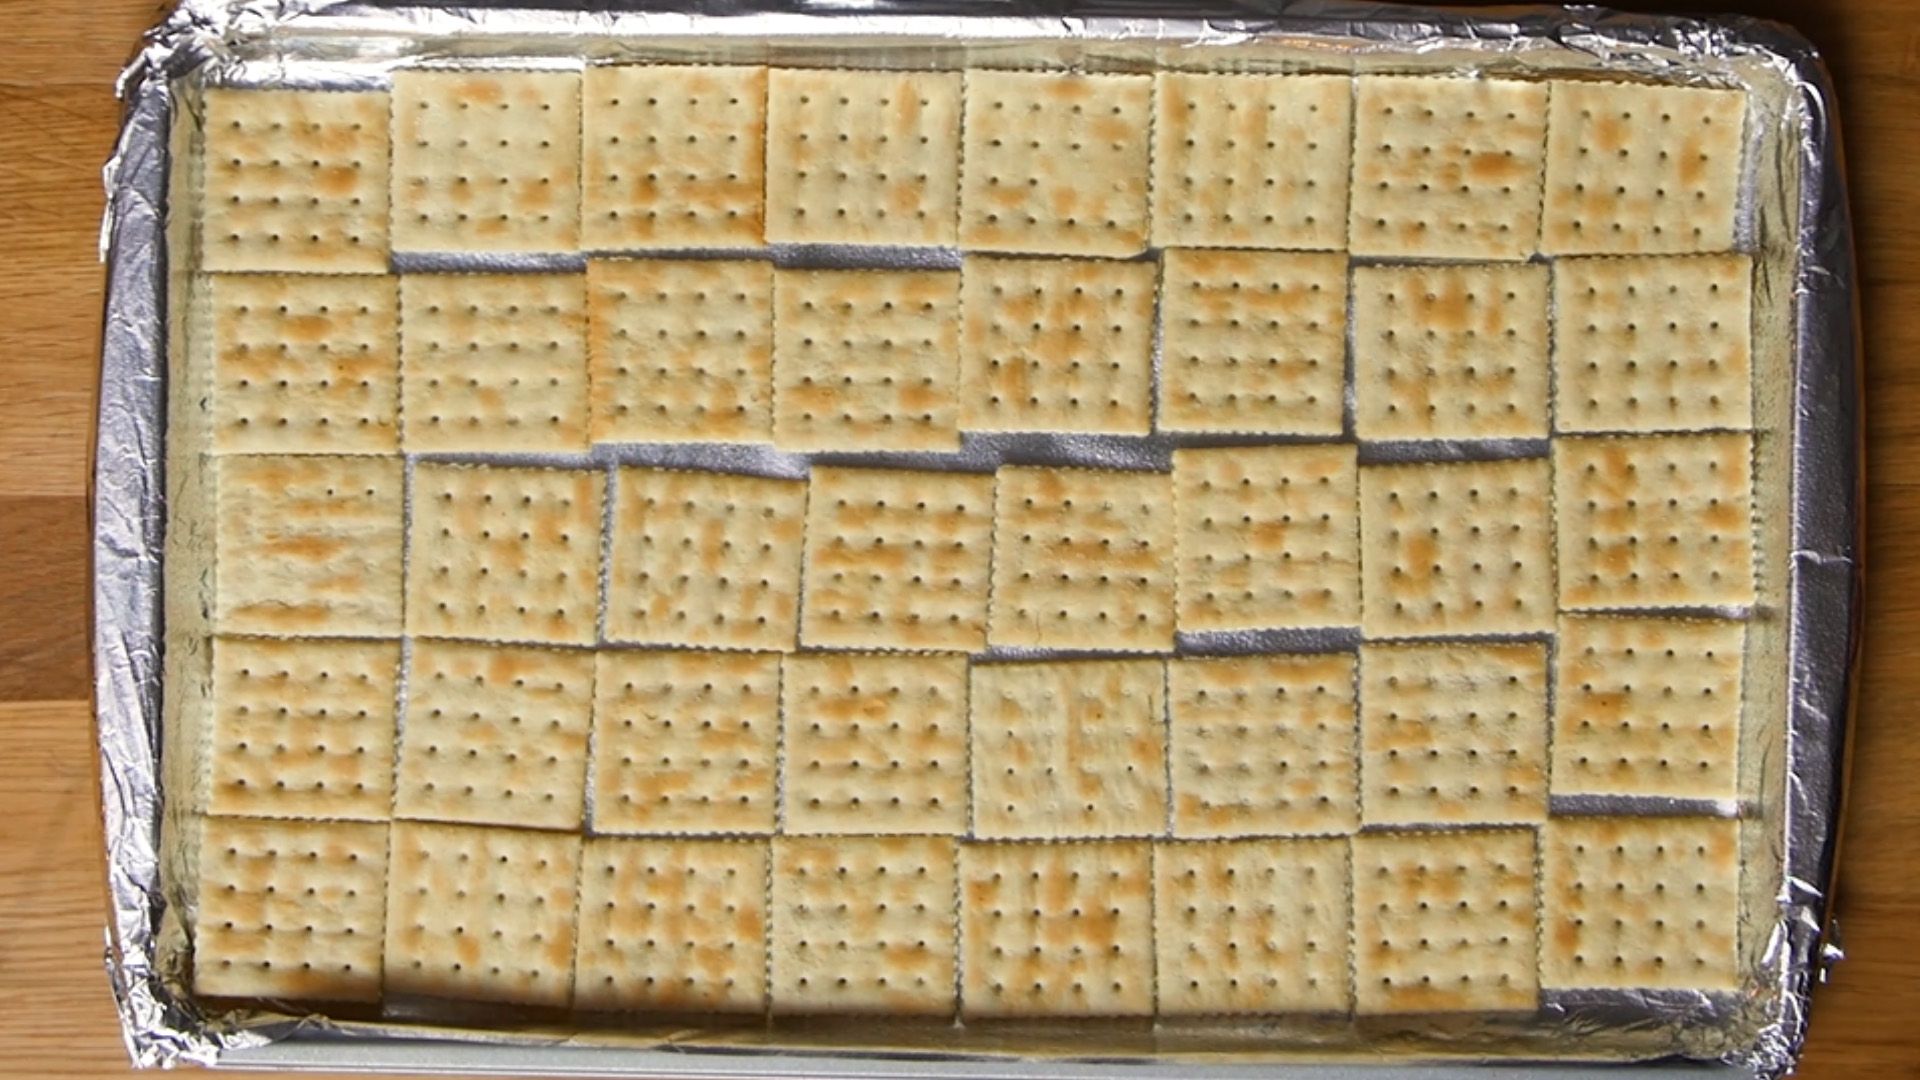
(57, 120)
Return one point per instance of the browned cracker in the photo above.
(674, 156)
(1445, 922)
(862, 157)
(1055, 162)
(897, 558)
(685, 742)
(303, 728)
(1056, 345)
(308, 546)
(680, 351)
(296, 180)
(705, 559)
(864, 925)
(1263, 745)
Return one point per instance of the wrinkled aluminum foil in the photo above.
(1794, 219)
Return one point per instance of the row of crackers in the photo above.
(692, 742)
(673, 351)
(1237, 538)
(1423, 922)
(632, 157)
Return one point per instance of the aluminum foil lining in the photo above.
(355, 44)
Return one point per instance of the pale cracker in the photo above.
(1641, 168)
(486, 161)
(705, 559)
(1263, 745)
(1647, 707)
(897, 559)
(1641, 903)
(1447, 167)
(290, 910)
(1654, 521)
(495, 736)
(1267, 537)
(303, 729)
(504, 554)
(866, 359)
(1251, 161)
(1253, 342)
(674, 156)
(1055, 162)
(1082, 559)
(1056, 929)
(304, 364)
(1459, 548)
(1445, 922)
(875, 744)
(1069, 748)
(308, 546)
(482, 914)
(1256, 926)
(1653, 344)
(864, 925)
(685, 742)
(1056, 345)
(863, 157)
(296, 180)
(673, 925)
(1450, 352)
(680, 351)
(493, 363)
(1453, 734)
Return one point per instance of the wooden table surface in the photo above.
(57, 120)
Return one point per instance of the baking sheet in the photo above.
(148, 615)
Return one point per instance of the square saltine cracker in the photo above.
(1655, 521)
(481, 914)
(1056, 345)
(1648, 706)
(1650, 903)
(1251, 161)
(1653, 344)
(874, 744)
(1069, 748)
(1252, 926)
(1263, 745)
(708, 559)
(296, 181)
(493, 363)
(308, 546)
(897, 558)
(504, 553)
(1445, 922)
(1447, 167)
(1450, 352)
(685, 741)
(303, 729)
(1457, 548)
(672, 926)
(1453, 734)
(305, 364)
(290, 910)
(1267, 537)
(486, 161)
(1253, 342)
(863, 157)
(1056, 929)
(674, 156)
(1642, 169)
(864, 925)
(1055, 162)
(1082, 559)
(680, 351)
(495, 736)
